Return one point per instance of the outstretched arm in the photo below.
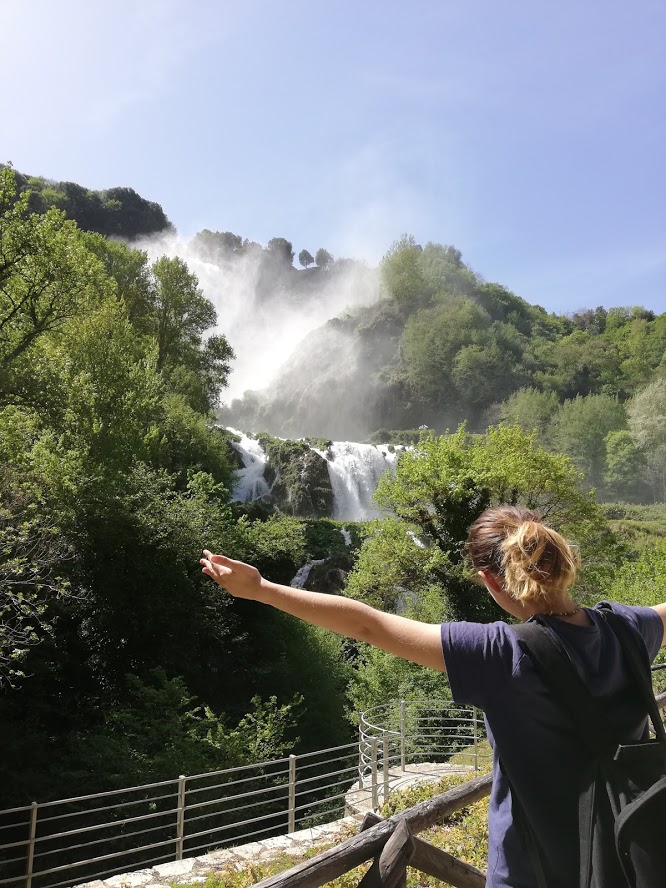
(410, 639)
(661, 610)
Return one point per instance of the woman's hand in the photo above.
(239, 579)
(410, 639)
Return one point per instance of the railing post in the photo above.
(180, 822)
(361, 781)
(476, 739)
(373, 772)
(31, 846)
(402, 735)
(385, 768)
(291, 827)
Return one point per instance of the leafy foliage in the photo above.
(118, 212)
(443, 346)
(445, 483)
(119, 660)
(305, 258)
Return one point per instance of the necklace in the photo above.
(563, 614)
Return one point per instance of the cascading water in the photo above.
(355, 470)
(250, 483)
(303, 573)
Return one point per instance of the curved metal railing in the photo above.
(394, 736)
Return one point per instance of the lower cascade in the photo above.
(354, 470)
(250, 482)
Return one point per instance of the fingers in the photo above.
(214, 569)
(220, 559)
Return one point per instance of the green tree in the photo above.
(647, 422)
(647, 415)
(401, 273)
(431, 341)
(580, 428)
(503, 305)
(130, 270)
(281, 249)
(32, 556)
(47, 278)
(443, 272)
(578, 364)
(195, 368)
(446, 482)
(217, 246)
(530, 409)
(483, 374)
(625, 466)
(323, 258)
(305, 258)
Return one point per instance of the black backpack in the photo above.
(622, 801)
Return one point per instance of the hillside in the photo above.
(113, 212)
(443, 346)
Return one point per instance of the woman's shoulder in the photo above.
(645, 620)
(479, 658)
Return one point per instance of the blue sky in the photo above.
(530, 134)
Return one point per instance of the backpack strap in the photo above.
(561, 676)
(638, 663)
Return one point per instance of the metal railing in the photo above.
(394, 736)
(71, 841)
(76, 840)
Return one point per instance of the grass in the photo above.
(638, 525)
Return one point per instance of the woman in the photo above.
(529, 569)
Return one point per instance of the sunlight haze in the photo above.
(530, 136)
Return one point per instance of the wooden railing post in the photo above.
(397, 853)
(429, 860)
(389, 869)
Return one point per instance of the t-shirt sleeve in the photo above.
(646, 622)
(479, 657)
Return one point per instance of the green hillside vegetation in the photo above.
(442, 346)
(119, 662)
(114, 212)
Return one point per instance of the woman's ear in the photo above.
(492, 582)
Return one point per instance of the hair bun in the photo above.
(536, 561)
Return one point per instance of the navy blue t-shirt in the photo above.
(488, 668)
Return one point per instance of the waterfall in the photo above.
(303, 573)
(250, 483)
(355, 470)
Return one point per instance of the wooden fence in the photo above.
(392, 846)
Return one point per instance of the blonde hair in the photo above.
(535, 561)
